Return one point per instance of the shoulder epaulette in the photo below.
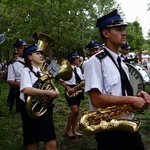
(20, 61)
(101, 55)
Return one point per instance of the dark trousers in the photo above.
(17, 99)
(119, 140)
(12, 97)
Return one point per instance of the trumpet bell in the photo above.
(43, 40)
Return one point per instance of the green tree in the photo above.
(134, 36)
(71, 23)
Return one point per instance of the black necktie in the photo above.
(78, 79)
(126, 86)
(38, 74)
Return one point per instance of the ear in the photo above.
(105, 33)
(30, 57)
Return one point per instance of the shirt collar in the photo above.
(20, 59)
(36, 69)
(114, 55)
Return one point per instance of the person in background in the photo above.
(14, 72)
(73, 101)
(81, 61)
(107, 84)
(48, 61)
(93, 47)
(125, 49)
(40, 128)
(12, 90)
(138, 58)
(144, 58)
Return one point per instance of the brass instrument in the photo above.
(43, 40)
(38, 105)
(105, 119)
(76, 90)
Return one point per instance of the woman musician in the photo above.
(73, 93)
(41, 128)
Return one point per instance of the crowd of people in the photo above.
(104, 77)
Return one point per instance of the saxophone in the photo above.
(105, 119)
(77, 90)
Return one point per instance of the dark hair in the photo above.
(28, 63)
(71, 60)
(102, 36)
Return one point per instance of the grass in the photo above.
(11, 131)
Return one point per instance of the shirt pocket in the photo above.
(110, 83)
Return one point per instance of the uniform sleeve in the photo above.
(93, 74)
(25, 79)
(11, 74)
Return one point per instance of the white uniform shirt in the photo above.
(27, 79)
(72, 81)
(104, 76)
(123, 57)
(15, 69)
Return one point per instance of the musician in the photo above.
(93, 47)
(103, 84)
(73, 102)
(42, 128)
(125, 49)
(12, 90)
(14, 70)
(14, 73)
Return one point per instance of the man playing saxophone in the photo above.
(73, 93)
(107, 84)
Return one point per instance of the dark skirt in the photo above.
(37, 129)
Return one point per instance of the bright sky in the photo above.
(136, 10)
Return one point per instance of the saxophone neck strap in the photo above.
(125, 83)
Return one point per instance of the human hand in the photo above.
(139, 103)
(70, 90)
(53, 94)
(145, 95)
(82, 83)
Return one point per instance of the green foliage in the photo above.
(71, 23)
(134, 36)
